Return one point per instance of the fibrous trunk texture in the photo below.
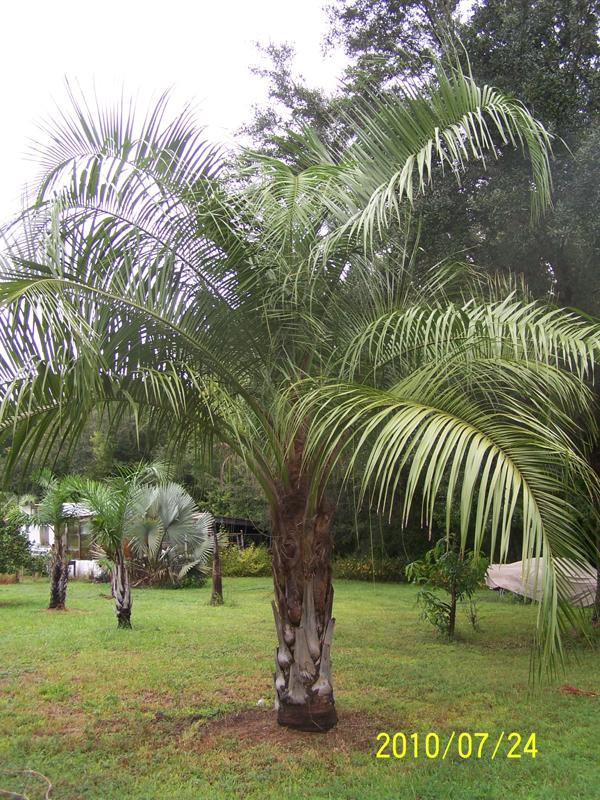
(59, 573)
(302, 550)
(121, 590)
(216, 598)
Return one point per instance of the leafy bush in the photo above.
(38, 564)
(363, 568)
(253, 561)
(458, 574)
(15, 548)
(191, 580)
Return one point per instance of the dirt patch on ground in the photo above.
(239, 732)
(354, 732)
(567, 689)
(63, 720)
(150, 700)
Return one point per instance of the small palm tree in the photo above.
(158, 523)
(112, 517)
(53, 510)
(115, 508)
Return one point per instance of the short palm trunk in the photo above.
(216, 597)
(302, 550)
(121, 591)
(59, 574)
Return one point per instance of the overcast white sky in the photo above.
(202, 50)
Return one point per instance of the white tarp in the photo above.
(577, 583)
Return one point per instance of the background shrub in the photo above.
(39, 564)
(254, 561)
(15, 548)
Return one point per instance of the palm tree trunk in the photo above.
(216, 598)
(302, 550)
(59, 574)
(596, 606)
(452, 615)
(121, 590)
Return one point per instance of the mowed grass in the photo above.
(169, 709)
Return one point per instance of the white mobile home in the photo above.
(77, 537)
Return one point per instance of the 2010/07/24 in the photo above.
(468, 745)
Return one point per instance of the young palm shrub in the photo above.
(457, 573)
(113, 516)
(281, 314)
(160, 524)
(116, 506)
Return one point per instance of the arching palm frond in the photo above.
(447, 438)
(399, 145)
(529, 332)
(108, 148)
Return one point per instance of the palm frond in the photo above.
(204, 550)
(401, 142)
(487, 459)
(507, 328)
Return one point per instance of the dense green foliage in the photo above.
(369, 568)
(250, 562)
(546, 53)
(15, 549)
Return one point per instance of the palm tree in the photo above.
(216, 597)
(255, 305)
(113, 515)
(206, 556)
(169, 532)
(157, 522)
(53, 509)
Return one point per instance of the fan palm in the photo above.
(170, 533)
(277, 310)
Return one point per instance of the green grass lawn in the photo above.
(169, 709)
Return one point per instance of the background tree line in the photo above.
(546, 53)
